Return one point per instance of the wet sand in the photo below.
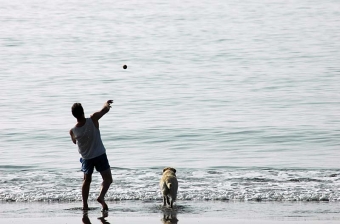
(153, 219)
(154, 213)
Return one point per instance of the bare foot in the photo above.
(102, 202)
(85, 207)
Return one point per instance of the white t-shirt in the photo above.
(89, 142)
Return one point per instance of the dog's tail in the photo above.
(168, 185)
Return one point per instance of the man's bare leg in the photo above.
(86, 189)
(107, 180)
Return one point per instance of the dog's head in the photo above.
(170, 169)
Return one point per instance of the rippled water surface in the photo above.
(241, 97)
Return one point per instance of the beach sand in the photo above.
(154, 213)
(152, 220)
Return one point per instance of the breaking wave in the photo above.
(221, 184)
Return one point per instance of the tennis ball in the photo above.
(125, 66)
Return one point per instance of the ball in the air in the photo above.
(125, 66)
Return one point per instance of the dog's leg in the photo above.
(167, 200)
(171, 203)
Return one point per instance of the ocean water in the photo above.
(241, 97)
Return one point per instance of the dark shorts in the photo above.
(100, 163)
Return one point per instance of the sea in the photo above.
(242, 98)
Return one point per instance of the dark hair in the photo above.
(77, 110)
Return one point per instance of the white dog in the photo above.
(169, 186)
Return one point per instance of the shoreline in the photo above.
(184, 212)
(154, 219)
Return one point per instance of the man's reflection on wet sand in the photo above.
(86, 219)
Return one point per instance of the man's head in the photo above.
(77, 110)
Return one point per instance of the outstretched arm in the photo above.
(97, 115)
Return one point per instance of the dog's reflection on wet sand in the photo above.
(169, 217)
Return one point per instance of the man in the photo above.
(86, 135)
